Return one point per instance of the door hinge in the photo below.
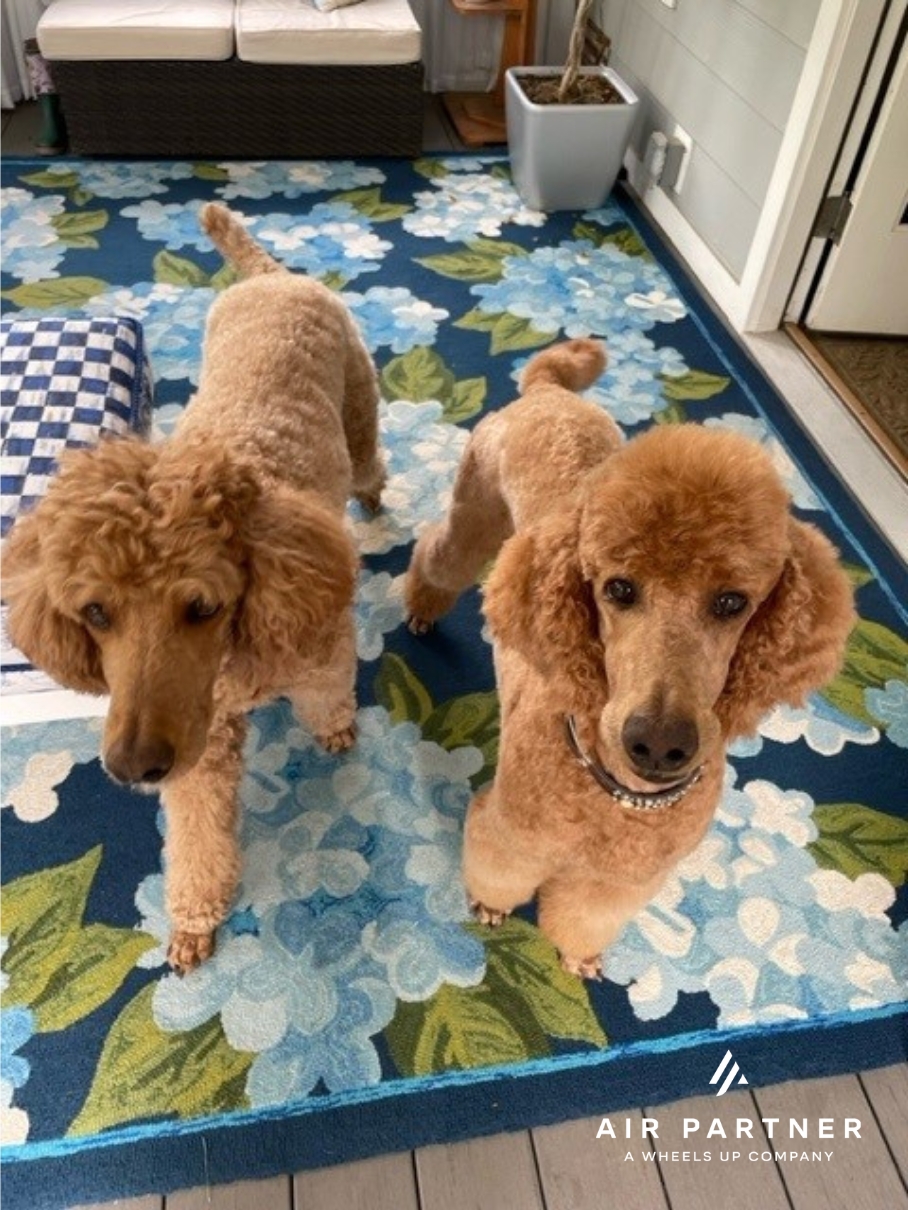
(833, 216)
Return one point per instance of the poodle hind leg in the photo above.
(360, 420)
(450, 555)
(203, 860)
(498, 876)
(326, 700)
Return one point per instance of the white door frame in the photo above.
(839, 48)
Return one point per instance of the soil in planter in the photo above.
(588, 90)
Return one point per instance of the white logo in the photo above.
(729, 1075)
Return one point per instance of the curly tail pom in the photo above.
(574, 364)
(233, 241)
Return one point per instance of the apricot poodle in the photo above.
(651, 600)
(198, 577)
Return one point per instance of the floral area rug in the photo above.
(351, 1007)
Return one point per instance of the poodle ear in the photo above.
(795, 642)
(57, 644)
(302, 574)
(538, 603)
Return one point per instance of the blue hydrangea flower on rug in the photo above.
(32, 248)
(289, 180)
(423, 453)
(379, 611)
(17, 1025)
(466, 201)
(393, 317)
(890, 705)
(580, 288)
(750, 917)
(38, 757)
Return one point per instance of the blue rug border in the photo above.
(484, 1105)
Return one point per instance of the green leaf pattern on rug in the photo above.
(479, 261)
(471, 719)
(368, 202)
(143, 1068)
(59, 967)
(695, 385)
(625, 239)
(66, 292)
(856, 840)
(874, 657)
(75, 230)
(524, 1001)
(421, 374)
(510, 333)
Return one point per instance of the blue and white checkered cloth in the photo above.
(64, 382)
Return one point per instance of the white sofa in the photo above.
(236, 78)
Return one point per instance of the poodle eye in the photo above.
(729, 604)
(201, 610)
(96, 616)
(620, 592)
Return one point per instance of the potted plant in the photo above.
(568, 128)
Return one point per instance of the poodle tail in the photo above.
(575, 364)
(234, 242)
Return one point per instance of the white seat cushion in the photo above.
(137, 29)
(294, 31)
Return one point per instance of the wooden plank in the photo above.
(271, 1194)
(713, 1184)
(860, 1175)
(575, 1167)
(387, 1182)
(887, 1090)
(126, 1203)
(497, 1173)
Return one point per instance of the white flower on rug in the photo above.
(379, 611)
(35, 764)
(263, 180)
(350, 901)
(32, 249)
(468, 201)
(580, 288)
(750, 918)
(823, 728)
(660, 305)
(802, 493)
(423, 453)
(393, 317)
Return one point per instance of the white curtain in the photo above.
(20, 19)
(462, 54)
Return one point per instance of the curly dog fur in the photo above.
(661, 595)
(195, 578)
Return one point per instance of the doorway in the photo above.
(849, 309)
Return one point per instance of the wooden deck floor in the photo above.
(567, 1168)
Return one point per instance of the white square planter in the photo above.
(566, 157)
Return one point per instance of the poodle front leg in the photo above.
(582, 919)
(326, 700)
(498, 873)
(203, 860)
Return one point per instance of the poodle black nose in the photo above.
(660, 746)
(147, 761)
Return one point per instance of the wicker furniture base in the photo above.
(238, 110)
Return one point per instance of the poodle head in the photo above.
(675, 603)
(148, 576)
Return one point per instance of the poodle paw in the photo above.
(189, 950)
(583, 968)
(370, 500)
(486, 915)
(339, 741)
(418, 626)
